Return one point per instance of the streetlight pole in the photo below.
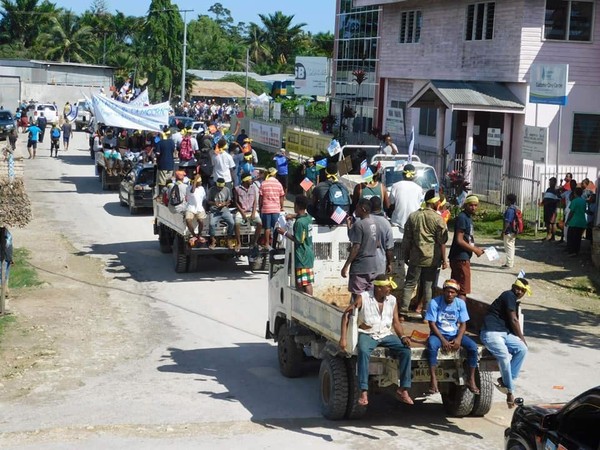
(184, 11)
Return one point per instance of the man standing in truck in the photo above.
(378, 321)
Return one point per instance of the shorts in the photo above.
(283, 179)
(549, 216)
(360, 282)
(304, 277)
(31, 144)
(164, 177)
(461, 272)
(269, 220)
(66, 139)
(255, 222)
(199, 216)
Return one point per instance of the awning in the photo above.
(486, 96)
(218, 89)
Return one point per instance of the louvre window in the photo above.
(569, 20)
(410, 27)
(480, 21)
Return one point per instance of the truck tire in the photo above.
(103, 176)
(353, 409)
(333, 381)
(132, 209)
(164, 240)
(483, 402)
(458, 401)
(180, 258)
(289, 354)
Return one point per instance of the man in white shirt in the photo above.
(406, 196)
(195, 197)
(390, 148)
(223, 164)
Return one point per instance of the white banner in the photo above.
(141, 100)
(265, 134)
(116, 114)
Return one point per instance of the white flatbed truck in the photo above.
(307, 326)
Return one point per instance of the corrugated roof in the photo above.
(218, 74)
(220, 89)
(467, 95)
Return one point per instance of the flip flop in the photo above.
(363, 401)
(403, 397)
(431, 391)
(500, 386)
(475, 391)
(510, 403)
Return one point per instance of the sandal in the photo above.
(500, 386)
(363, 401)
(510, 401)
(402, 396)
(474, 390)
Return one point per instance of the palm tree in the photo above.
(68, 40)
(258, 45)
(22, 21)
(282, 37)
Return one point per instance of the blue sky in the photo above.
(319, 15)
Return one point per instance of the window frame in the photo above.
(568, 23)
(431, 116)
(587, 113)
(474, 26)
(408, 28)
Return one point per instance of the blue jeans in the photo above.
(366, 345)
(434, 344)
(4, 265)
(509, 350)
(216, 217)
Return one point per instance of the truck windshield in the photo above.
(5, 115)
(426, 177)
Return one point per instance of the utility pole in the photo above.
(246, 88)
(184, 11)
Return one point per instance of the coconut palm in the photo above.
(68, 40)
(22, 21)
(281, 36)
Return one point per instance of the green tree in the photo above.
(162, 38)
(210, 47)
(22, 21)
(67, 40)
(254, 86)
(282, 37)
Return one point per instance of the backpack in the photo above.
(185, 149)
(175, 196)
(517, 224)
(55, 133)
(337, 195)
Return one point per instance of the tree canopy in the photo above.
(150, 47)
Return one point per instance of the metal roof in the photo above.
(467, 96)
(218, 89)
(218, 74)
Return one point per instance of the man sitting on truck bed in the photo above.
(377, 314)
(219, 199)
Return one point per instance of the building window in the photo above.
(569, 20)
(427, 121)
(586, 133)
(410, 27)
(480, 21)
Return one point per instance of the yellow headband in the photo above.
(451, 284)
(409, 173)
(389, 282)
(331, 176)
(433, 200)
(523, 286)
(247, 178)
(220, 184)
(471, 199)
(442, 203)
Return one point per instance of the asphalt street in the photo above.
(210, 379)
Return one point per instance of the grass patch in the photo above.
(4, 322)
(588, 286)
(21, 273)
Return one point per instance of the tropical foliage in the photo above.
(149, 48)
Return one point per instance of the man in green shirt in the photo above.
(576, 221)
(304, 257)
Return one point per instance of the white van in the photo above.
(49, 109)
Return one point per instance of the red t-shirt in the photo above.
(271, 192)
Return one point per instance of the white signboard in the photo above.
(394, 122)
(262, 133)
(265, 111)
(494, 137)
(535, 142)
(548, 83)
(310, 75)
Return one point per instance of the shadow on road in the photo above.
(118, 210)
(74, 159)
(249, 375)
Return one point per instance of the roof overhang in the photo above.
(487, 96)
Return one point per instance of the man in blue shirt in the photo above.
(447, 316)
(165, 160)
(34, 135)
(281, 163)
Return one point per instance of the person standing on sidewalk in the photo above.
(576, 222)
(502, 335)
(463, 246)
(6, 257)
(509, 234)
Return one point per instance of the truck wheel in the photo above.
(289, 354)
(163, 240)
(256, 264)
(333, 377)
(458, 401)
(103, 176)
(353, 409)
(179, 256)
(132, 209)
(483, 402)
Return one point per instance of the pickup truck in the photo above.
(84, 115)
(175, 238)
(310, 325)
(110, 180)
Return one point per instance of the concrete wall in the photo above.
(60, 94)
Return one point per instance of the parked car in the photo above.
(7, 123)
(50, 111)
(570, 426)
(84, 115)
(198, 129)
(137, 187)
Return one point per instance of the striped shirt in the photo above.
(271, 192)
(246, 197)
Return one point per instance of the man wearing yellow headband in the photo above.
(405, 196)
(463, 246)
(223, 164)
(271, 201)
(246, 201)
(219, 199)
(447, 317)
(424, 251)
(378, 321)
(322, 206)
(502, 335)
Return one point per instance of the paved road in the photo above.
(209, 379)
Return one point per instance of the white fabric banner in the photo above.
(141, 100)
(116, 114)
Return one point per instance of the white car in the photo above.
(49, 109)
(198, 128)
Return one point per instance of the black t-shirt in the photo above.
(498, 315)
(165, 159)
(463, 223)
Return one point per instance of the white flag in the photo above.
(411, 144)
